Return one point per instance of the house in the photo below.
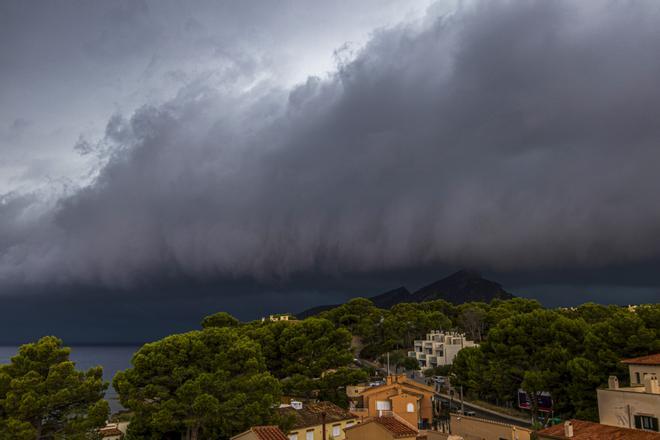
(280, 317)
(636, 406)
(640, 367)
(475, 428)
(309, 420)
(111, 431)
(412, 401)
(583, 430)
(385, 427)
(261, 433)
(439, 348)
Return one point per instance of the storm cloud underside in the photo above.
(504, 136)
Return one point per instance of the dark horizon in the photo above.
(163, 161)
(154, 320)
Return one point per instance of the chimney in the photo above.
(651, 384)
(613, 383)
(568, 429)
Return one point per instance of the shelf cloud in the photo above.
(504, 135)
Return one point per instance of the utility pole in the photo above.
(462, 406)
(388, 363)
(451, 403)
(323, 423)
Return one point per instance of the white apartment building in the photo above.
(636, 406)
(439, 348)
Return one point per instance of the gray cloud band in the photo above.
(509, 135)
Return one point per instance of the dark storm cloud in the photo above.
(509, 135)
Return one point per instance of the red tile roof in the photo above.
(110, 432)
(269, 433)
(652, 359)
(583, 430)
(396, 426)
(312, 413)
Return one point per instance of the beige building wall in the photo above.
(473, 428)
(618, 407)
(406, 406)
(638, 372)
(317, 431)
(398, 392)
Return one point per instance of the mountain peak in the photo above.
(462, 286)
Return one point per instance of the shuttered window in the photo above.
(648, 423)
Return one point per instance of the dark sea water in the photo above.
(111, 358)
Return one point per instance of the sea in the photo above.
(111, 358)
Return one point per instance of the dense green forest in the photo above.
(221, 379)
(568, 351)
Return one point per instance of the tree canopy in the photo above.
(199, 385)
(568, 352)
(43, 396)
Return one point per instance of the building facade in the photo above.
(277, 318)
(439, 348)
(475, 428)
(636, 406)
(407, 399)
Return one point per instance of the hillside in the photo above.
(459, 287)
(462, 286)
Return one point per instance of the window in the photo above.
(293, 436)
(309, 435)
(336, 430)
(649, 423)
(383, 405)
(410, 407)
(637, 377)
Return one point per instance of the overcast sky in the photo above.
(162, 160)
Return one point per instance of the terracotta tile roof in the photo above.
(311, 414)
(402, 382)
(583, 430)
(109, 432)
(652, 359)
(269, 433)
(395, 426)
